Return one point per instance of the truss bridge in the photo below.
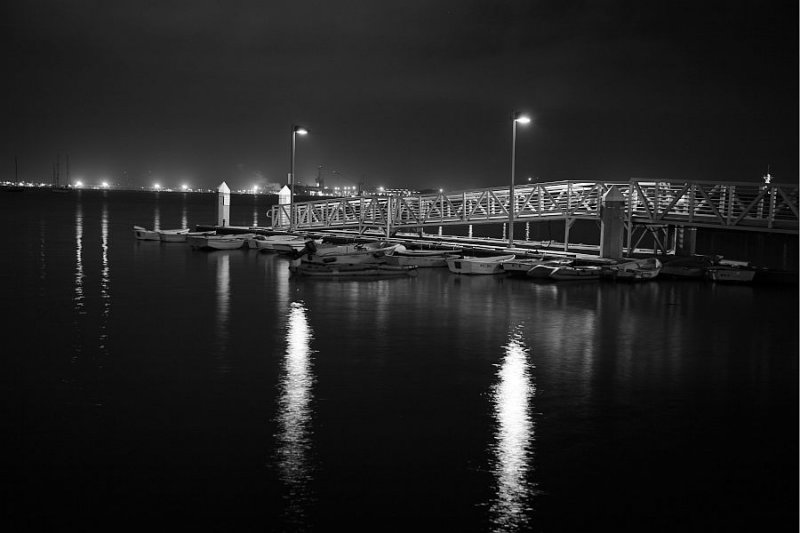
(755, 207)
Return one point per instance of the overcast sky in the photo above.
(400, 93)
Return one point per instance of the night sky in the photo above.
(410, 93)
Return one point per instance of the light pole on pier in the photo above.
(522, 119)
(296, 130)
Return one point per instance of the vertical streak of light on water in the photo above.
(294, 416)
(223, 309)
(184, 218)
(78, 302)
(513, 452)
(105, 282)
(157, 217)
(255, 211)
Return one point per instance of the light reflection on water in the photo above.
(223, 311)
(184, 217)
(78, 299)
(156, 217)
(105, 281)
(294, 415)
(513, 447)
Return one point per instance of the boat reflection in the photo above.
(512, 449)
(294, 416)
(223, 311)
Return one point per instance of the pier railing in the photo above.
(762, 207)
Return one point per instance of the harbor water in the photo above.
(147, 383)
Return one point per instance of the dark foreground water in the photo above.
(145, 384)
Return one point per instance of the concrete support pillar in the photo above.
(612, 223)
(223, 205)
(685, 241)
(469, 231)
(284, 206)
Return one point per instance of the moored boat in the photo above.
(267, 243)
(173, 235)
(636, 270)
(519, 266)
(574, 273)
(145, 234)
(429, 258)
(730, 274)
(220, 242)
(363, 270)
(693, 267)
(478, 265)
(372, 252)
(544, 268)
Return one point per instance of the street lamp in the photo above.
(522, 119)
(296, 130)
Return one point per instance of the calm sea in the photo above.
(147, 383)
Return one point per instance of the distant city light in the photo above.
(157, 186)
(255, 189)
(184, 187)
(104, 185)
(79, 183)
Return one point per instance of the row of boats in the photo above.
(210, 240)
(314, 258)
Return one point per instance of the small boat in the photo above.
(220, 242)
(290, 246)
(636, 270)
(173, 235)
(364, 270)
(197, 239)
(350, 254)
(145, 234)
(545, 267)
(686, 267)
(520, 266)
(574, 273)
(730, 274)
(428, 258)
(478, 265)
(266, 243)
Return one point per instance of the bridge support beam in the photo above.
(612, 223)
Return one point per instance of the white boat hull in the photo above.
(173, 235)
(267, 243)
(145, 234)
(478, 265)
(571, 273)
(351, 254)
(730, 275)
(638, 270)
(351, 271)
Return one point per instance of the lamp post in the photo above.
(522, 119)
(296, 130)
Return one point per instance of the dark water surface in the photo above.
(147, 383)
